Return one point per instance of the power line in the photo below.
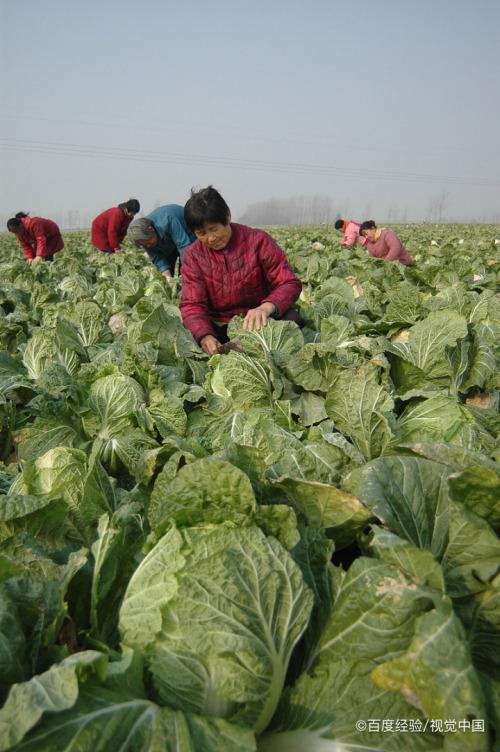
(140, 155)
(251, 134)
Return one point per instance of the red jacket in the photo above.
(217, 285)
(109, 229)
(40, 237)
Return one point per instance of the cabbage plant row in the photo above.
(275, 549)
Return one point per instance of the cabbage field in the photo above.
(293, 548)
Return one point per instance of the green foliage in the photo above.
(169, 521)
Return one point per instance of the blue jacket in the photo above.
(173, 234)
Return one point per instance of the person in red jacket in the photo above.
(231, 270)
(39, 238)
(383, 243)
(110, 227)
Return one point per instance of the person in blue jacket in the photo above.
(164, 236)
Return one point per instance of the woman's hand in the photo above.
(256, 318)
(210, 344)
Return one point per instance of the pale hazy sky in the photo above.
(383, 106)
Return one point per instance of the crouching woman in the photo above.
(231, 270)
(383, 243)
(38, 237)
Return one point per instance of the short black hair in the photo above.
(15, 224)
(339, 224)
(132, 205)
(206, 206)
(369, 224)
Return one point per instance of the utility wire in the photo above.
(251, 134)
(139, 155)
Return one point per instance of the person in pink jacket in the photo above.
(350, 232)
(384, 243)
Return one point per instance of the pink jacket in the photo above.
(351, 234)
(390, 248)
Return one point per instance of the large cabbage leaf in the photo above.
(217, 610)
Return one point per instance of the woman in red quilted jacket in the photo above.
(39, 238)
(231, 270)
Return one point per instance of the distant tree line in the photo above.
(319, 209)
(313, 210)
(296, 210)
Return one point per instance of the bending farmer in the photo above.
(384, 243)
(164, 236)
(110, 227)
(231, 270)
(39, 238)
(350, 232)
